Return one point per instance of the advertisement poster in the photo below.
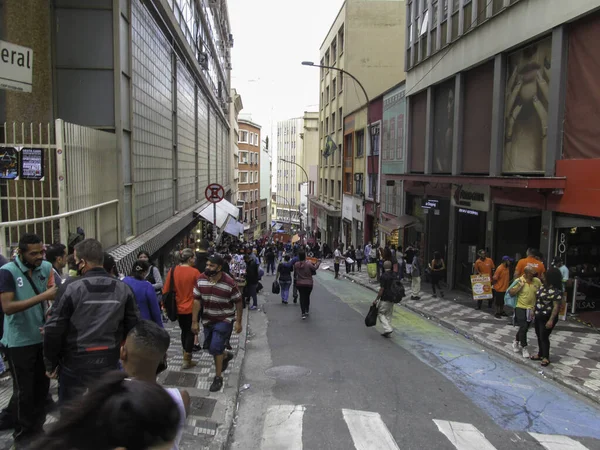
(443, 130)
(482, 287)
(32, 164)
(9, 163)
(526, 109)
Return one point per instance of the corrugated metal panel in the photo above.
(219, 148)
(152, 121)
(202, 144)
(186, 138)
(225, 153)
(213, 175)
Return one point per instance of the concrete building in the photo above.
(289, 175)
(153, 73)
(249, 144)
(310, 163)
(266, 180)
(362, 41)
(234, 136)
(503, 149)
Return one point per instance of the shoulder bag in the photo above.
(170, 298)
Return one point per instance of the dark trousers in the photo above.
(295, 290)
(543, 335)
(271, 266)
(304, 292)
(358, 264)
(251, 293)
(187, 337)
(31, 386)
(435, 282)
(73, 383)
(521, 322)
(336, 268)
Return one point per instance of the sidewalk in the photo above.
(211, 414)
(574, 350)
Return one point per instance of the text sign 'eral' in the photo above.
(16, 67)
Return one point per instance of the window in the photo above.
(392, 143)
(375, 139)
(333, 89)
(348, 183)
(341, 39)
(341, 119)
(243, 157)
(327, 95)
(243, 136)
(332, 188)
(341, 77)
(333, 121)
(333, 51)
(338, 195)
(243, 177)
(322, 69)
(324, 187)
(327, 60)
(327, 125)
(360, 143)
(372, 185)
(358, 184)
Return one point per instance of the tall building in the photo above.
(249, 183)
(155, 76)
(266, 182)
(234, 137)
(503, 143)
(310, 163)
(289, 175)
(363, 40)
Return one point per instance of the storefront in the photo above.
(358, 215)
(516, 230)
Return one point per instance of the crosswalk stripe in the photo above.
(556, 442)
(464, 436)
(283, 428)
(368, 431)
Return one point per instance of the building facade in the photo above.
(234, 136)
(501, 150)
(362, 41)
(266, 180)
(156, 74)
(249, 171)
(310, 164)
(289, 176)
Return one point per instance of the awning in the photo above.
(224, 210)
(522, 182)
(405, 221)
(233, 227)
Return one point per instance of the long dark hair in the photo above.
(554, 279)
(116, 412)
(139, 269)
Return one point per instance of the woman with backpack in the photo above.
(284, 278)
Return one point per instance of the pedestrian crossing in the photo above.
(284, 430)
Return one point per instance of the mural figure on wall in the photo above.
(526, 109)
(443, 128)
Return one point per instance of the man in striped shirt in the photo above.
(219, 298)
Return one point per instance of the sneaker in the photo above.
(226, 359)
(498, 316)
(196, 348)
(386, 335)
(216, 385)
(516, 347)
(525, 353)
(253, 308)
(303, 316)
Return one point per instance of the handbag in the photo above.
(509, 300)
(371, 319)
(275, 289)
(170, 298)
(349, 260)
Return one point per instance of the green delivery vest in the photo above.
(23, 329)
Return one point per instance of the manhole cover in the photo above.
(202, 406)
(181, 379)
(287, 372)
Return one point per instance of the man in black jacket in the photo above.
(88, 322)
(251, 279)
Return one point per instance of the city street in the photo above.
(331, 383)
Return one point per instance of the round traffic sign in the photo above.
(214, 193)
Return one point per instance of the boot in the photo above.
(187, 361)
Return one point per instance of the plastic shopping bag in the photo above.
(371, 318)
(372, 270)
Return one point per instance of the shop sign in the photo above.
(347, 205)
(16, 67)
(481, 286)
(471, 196)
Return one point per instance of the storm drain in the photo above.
(287, 372)
(202, 406)
(181, 379)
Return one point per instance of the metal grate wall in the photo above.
(202, 145)
(152, 121)
(186, 139)
(212, 147)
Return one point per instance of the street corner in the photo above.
(211, 416)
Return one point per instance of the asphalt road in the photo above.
(331, 383)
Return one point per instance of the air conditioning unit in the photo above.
(358, 177)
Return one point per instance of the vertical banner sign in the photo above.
(16, 67)
(32, 164)
(9, 163)
(482, 287)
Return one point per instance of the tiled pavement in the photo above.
(211, 415)
(574, 348)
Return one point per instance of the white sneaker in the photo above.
(516, 347)
(525, 353)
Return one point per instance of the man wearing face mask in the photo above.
(89, 320)
(217, 294)
(26, 286)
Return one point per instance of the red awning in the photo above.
(524, 182)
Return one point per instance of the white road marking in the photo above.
(556, 442)
(283, 428)
(464, 436)
(368, 431)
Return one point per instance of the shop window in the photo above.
(418, 112)
(360, 143)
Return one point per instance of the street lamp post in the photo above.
(307, 183)
(312, 64)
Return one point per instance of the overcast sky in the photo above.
(271, 39)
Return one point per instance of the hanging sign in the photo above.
(32, 164)
(9, 163)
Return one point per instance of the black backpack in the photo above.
(396, 290)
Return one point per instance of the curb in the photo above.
(223, 435)
(547, 373)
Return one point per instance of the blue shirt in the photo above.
(145, 297)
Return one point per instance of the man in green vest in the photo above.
(26, 287)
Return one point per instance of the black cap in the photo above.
(216, 259)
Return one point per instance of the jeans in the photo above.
(358, 264)
(435, 282)
(216, 336)
(73, 383)
(521, 322)
(251, 293)
(285, 289)
(543, 335)
(415, 286)
(336, 268)
(305, 298)
(31, 386)
(187, 337)
(385, 311)
(295, 290)
(271, 266)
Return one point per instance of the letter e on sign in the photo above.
(16, 67)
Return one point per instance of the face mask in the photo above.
(210, 273)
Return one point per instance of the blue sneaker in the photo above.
(252, 308)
